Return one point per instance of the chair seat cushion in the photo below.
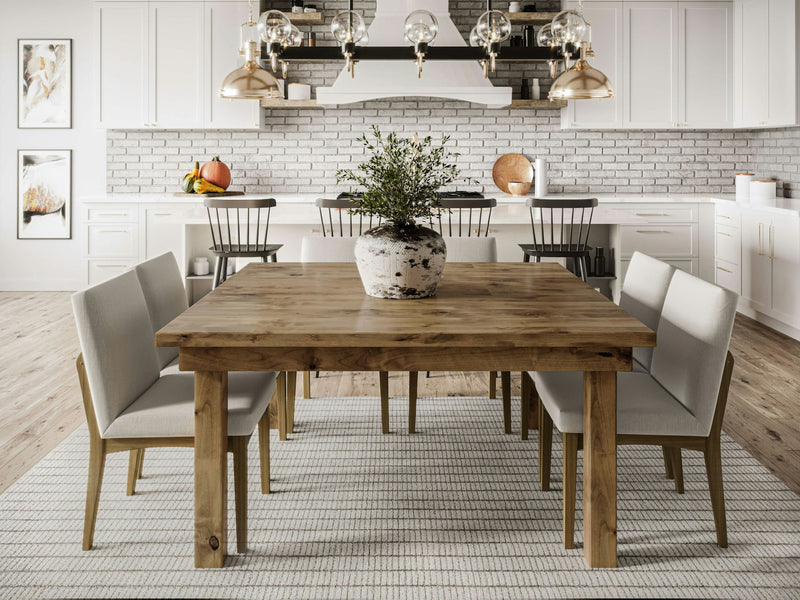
(166, 409)
(643, 406)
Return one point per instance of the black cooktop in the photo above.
(456, 194)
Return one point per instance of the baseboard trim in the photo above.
(770, 322)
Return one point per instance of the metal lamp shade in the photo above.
(250, 81)
(581, 82)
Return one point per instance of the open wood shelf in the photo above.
(305, 104)
(314, 18)
(544, 104)
(530, 18)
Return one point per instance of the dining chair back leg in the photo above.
(239, 447)
(140, 466)
(525, 405)
(384, 385)
(263, 451)
(492, 385)
(713, 459)
(97, 464)
(668, 462)
(281, 399)
(545, 447)
(133, 471)
(505, 385)
(570, 478)
(677, 468)
(291, 392)
(413, 380)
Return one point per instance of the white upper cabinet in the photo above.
(223, 24)
(122, 64)
(650, 58)
(606, 21)
(766, 63)
(705, 64)
(161, 63)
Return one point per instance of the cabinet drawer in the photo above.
(669, 241)
(100, 270)
(728, 214)
(728, 276)
(690, 265)
(654, 213)
(729, 244)
(113, 240)
(113, 214)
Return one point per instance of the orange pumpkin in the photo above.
(216, 172)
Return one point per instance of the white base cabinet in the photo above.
(160, 64)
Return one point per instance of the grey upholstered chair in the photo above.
(165, 295)
(679, 404)
(129, 405)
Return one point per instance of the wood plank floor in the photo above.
(40, 402)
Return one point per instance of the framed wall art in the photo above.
(44, 194)
(44, 85)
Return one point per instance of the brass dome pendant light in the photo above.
(250, 81)
(581, 81)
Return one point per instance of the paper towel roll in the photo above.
(540, 185)
(743, 186)
(763, 192)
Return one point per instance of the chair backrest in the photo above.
(459, 215)
(643, 293)
(341, 222)
(162, 285)
(693, 337)
(117, 343)
(328, 249)
(471, 249)
(236, 223)
(569, 221)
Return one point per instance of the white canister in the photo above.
(763, 192)
(201, 266)
(299, 91)
(514, 7)
(540, 179)
(743, 186)
(536, 90)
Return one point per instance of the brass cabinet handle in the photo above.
(112, 231)
(723, 233)
(771, 243)
(723, 216)
(760, 248)
(111, 266)
(652, 215)
(652, 231)
(162, 214)
(112, 214)
(726, 270)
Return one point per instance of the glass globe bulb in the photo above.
(364, 41)
(275, 27)
(421, 27)
(544, 39)
(493, 27)
(474, 39)
(296, 37)
(348, 26)
(568, 27)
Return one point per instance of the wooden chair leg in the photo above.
(713, 456)
(240, 490)
(570, 474)
(525, 405)
(677, 468)
(281, 392)
(384, 384)
(306, 385)
(545, 447)
(492, 385)
(217, 273)
(505, 385)
(291, 392)
(668, 462)
(97, 464)
(133, 471)
(140, 468)
(263, 451)
(413, 380)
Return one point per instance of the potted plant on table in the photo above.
(399, 183)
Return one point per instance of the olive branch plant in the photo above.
(401, 178)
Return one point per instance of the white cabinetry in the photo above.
(766, 37)
(111, 240)
(728, 248)
(771, 264)
(160, 64)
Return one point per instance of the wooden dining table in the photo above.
(485, 317)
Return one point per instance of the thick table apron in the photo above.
(599, 365)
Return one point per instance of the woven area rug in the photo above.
(451, 512)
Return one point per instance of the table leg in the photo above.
(210, 468)
(600, 469)
(291, 392)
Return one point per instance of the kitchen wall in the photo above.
(47, 264)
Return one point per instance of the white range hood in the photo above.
(454, 80)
